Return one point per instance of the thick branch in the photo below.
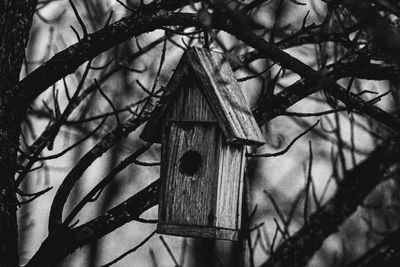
(239, 29)
(65, 241)
(15, 23)
(55, 218)
(368, 71)
(352, 190)
(391, 6)
(143, 19)
(385, 35)
(386, 253)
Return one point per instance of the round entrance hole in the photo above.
(190, 162)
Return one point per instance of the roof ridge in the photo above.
(222, 92)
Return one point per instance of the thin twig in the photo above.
(130, 251)
(169, 251)
(265, 155)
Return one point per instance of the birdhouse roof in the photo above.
(217, 83)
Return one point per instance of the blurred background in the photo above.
(281, 190)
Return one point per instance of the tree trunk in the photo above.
(15, 22)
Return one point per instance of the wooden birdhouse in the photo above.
(203, 123)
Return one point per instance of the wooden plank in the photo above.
(240, 190)
(190, 104)
(229, 185)
(230, 107)
(165, 163)
(198, 231)
(189, 199)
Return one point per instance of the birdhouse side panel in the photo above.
(230, 184)
(189, 178)
(190, 104)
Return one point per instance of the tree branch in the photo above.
(240, 30)
(385, 253)
(121, 131)
(143, 19)
(65, 241)
(137, 204)
(351, 191)
(385, 35)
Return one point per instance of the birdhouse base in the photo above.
(198, 231)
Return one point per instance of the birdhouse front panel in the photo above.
(202, 185)
(189, 170)
(189, 104)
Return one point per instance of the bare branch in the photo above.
(352, 190)
(143, 19)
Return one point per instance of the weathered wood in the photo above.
(230, 107)
(190, 104)
(198, 231)
(210, 197)
(189, 199)
(230, 184)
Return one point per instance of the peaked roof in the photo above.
(217, 82)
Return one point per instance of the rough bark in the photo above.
(15, 22)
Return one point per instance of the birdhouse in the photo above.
(204, 124)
